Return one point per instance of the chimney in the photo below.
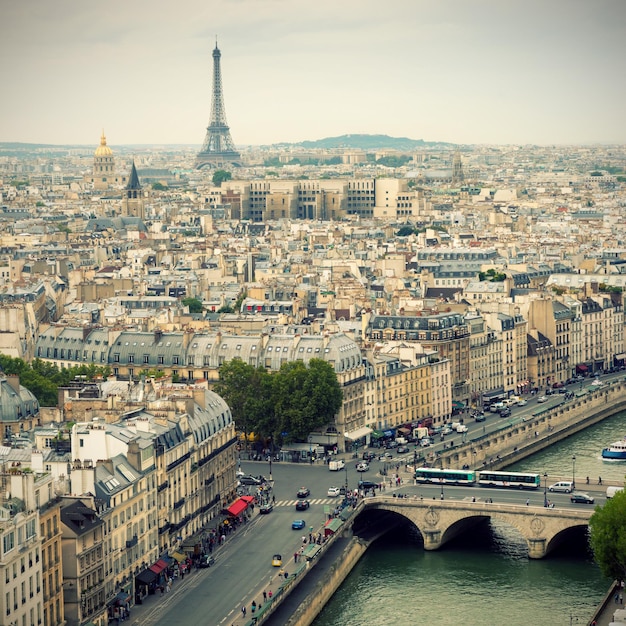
(199, 396)
(108, 463)
(14, 381)
(133, 455)
(158, 335)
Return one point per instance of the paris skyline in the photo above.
(467, 72)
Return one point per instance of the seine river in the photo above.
(490, 581)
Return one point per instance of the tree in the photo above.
(159, 186)
(240, 386)
(221, 176)
(305, 399)
(607, 528)
(43, 379)
(195, 305)
(405, 231)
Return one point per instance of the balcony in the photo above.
(131, 542)
(179, 503)
(163, 485)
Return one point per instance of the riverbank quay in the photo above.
(522, 437)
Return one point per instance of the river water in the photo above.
(488, 580)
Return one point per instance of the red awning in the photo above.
(581, 367)
(237, 507)
(247, 499)
(158, 567)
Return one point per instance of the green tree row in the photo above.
(607, 530)
(43, 379)
(285, 405)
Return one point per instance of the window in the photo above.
(160, 359)
(174, 360)
(131, 358)
(116, 357)
(146, 358)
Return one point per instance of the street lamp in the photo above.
(574, 471)
(345, 469)
(442, 488)
(545, 489)
(310, 450)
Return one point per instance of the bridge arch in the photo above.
(441, 521)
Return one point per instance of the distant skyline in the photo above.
(460, 71)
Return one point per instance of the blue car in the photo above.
(298, 524)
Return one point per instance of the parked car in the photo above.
(302, 505)
(303, 492)
(250, 480)
(206, 560)
(266, 508)
(298, 524)
(334, 491)
(362, 467)
(582, 498)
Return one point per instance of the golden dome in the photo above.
(103, 150)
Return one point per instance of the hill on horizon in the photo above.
(349, 141)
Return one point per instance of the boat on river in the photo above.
(617, 450)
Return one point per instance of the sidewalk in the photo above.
(153, 604)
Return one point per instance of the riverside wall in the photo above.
(521, 437)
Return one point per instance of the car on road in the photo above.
(367, 484)
(334, 491)
(402, 450)
(302, 505)
(277, 560)
(480, 417)
(250, 480)
(521, 402)
(298, 524)
(564, 486)
(303, 492)
(582, 498)
(426, 442)
(266, 508)
(362, 467)
(206, 560)
(506, 412)
(446, 430)
(542, 399)
(461, 428)
(369, 456)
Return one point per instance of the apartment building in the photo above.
(82, 542)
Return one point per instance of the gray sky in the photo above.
(462, 71)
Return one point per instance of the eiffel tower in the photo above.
(218, 146)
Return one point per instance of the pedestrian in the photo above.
(616, 598)
(243, 611)
(269, 594)
(253, 606)
(599, 480)
(621, 599)
(527, 501)
(264, 597)
(587, 479)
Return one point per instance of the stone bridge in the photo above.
(439, 521)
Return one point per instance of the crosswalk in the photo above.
(311, 500)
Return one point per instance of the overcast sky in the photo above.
(461, 71)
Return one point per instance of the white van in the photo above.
(564, 486)
(611, 491)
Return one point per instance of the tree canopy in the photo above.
(220, 176)
(285, 405)
(195, 305)
(607, 528)
(43, 379)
